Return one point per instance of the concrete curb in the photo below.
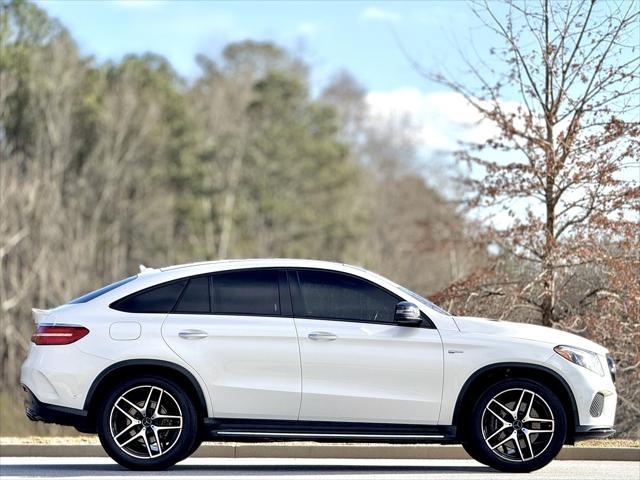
(316, 450)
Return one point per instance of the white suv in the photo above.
(307, 350)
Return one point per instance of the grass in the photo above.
(80, 439)
(611, 442)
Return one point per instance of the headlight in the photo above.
(612, 367)
(584, 358)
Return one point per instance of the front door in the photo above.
(233, 330)
(357, 365)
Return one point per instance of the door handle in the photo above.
(193, 334)
(322, 336)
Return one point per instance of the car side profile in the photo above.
(281, 349)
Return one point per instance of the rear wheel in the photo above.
(517, 426)
(195, 447)
(148, 423)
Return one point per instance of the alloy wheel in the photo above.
(517, 425)
(146, 421)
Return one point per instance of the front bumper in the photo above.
(38, 411)
(585, 433)
(594, 395)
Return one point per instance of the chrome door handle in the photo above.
(322, 336)
(193, 334)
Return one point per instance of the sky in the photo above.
(362, 37)
(379, 43)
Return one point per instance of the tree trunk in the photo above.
(548, 295)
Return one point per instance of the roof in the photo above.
(255, 262)
(196, 268)
(150, 276)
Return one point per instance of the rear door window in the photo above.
(195, 298)
(246, 292)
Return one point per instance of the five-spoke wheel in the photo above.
(148, 423)
(517, 425)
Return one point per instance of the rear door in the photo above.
(236, 330)
(357, 365)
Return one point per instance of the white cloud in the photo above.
(378, 14)
(437, 120)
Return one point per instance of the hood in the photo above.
(526, 331)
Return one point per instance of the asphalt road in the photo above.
(308, 469)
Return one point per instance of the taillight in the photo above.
(58, 335)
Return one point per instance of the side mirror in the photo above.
(407, 314)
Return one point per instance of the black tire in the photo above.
(471, 450)
(538, 442)
(195, 447)
(175, 419)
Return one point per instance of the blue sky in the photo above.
(361, 37)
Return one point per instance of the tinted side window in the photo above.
(334, 295)
(195, 298)
(250, 292)
(160, 299)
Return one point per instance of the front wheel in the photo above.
(148, 423)
(517, 426)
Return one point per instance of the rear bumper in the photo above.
(38, 411)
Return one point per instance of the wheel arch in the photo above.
(483, 377)
(129, 368)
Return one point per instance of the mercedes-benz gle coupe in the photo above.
(275, 349)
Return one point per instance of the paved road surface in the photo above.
(309, 469)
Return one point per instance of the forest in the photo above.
(105, 166)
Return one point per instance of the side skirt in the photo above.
(251, 430)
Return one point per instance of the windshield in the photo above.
(420, 298)
(96, 293)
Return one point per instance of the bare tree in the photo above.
(562, 94)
